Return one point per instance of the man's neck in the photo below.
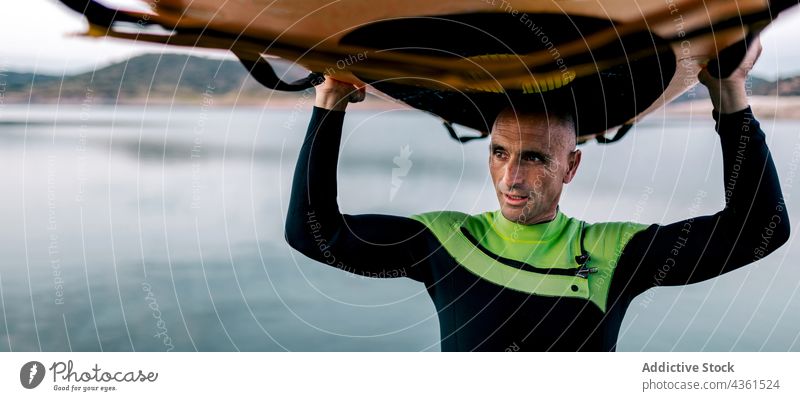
(542, 219)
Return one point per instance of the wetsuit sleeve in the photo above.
(368, 244)
(753, 223)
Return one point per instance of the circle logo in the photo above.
(31, 374)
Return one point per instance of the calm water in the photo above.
(161, 228)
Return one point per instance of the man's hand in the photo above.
(335, 95)
(729, 94)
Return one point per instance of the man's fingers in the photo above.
(758, 48)
(752, 55)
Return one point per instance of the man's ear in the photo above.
(574, 160)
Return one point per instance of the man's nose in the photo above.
(513, 175)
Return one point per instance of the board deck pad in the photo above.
(600, 99)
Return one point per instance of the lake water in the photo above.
(159, 228)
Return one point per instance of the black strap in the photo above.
(263, 72)
(463, 139)
(621, 132)
(98, 14)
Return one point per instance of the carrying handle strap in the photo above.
(98, 14)
(261, 70)
(621, 132)
(463, 139)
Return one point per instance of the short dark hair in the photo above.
(560, 111)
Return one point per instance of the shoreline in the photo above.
(772, 107)
(785, 107)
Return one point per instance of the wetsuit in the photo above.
(559, 285)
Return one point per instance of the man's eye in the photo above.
(533, 158)
(498, 153)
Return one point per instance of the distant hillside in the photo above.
(785, 87)
(155, 78)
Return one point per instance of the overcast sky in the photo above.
(34, 38)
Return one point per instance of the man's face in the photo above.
(530, 159)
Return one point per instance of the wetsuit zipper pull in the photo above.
(583, 271)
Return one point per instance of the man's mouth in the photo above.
(515, 200)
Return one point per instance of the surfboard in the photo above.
(613, 61)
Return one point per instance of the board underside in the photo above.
(611, 61)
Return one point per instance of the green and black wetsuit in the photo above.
(559, 285)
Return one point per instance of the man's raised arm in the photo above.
(753, 223)
(369, 245)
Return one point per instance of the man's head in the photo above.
(531, 156)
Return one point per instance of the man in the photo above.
(527, 277)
